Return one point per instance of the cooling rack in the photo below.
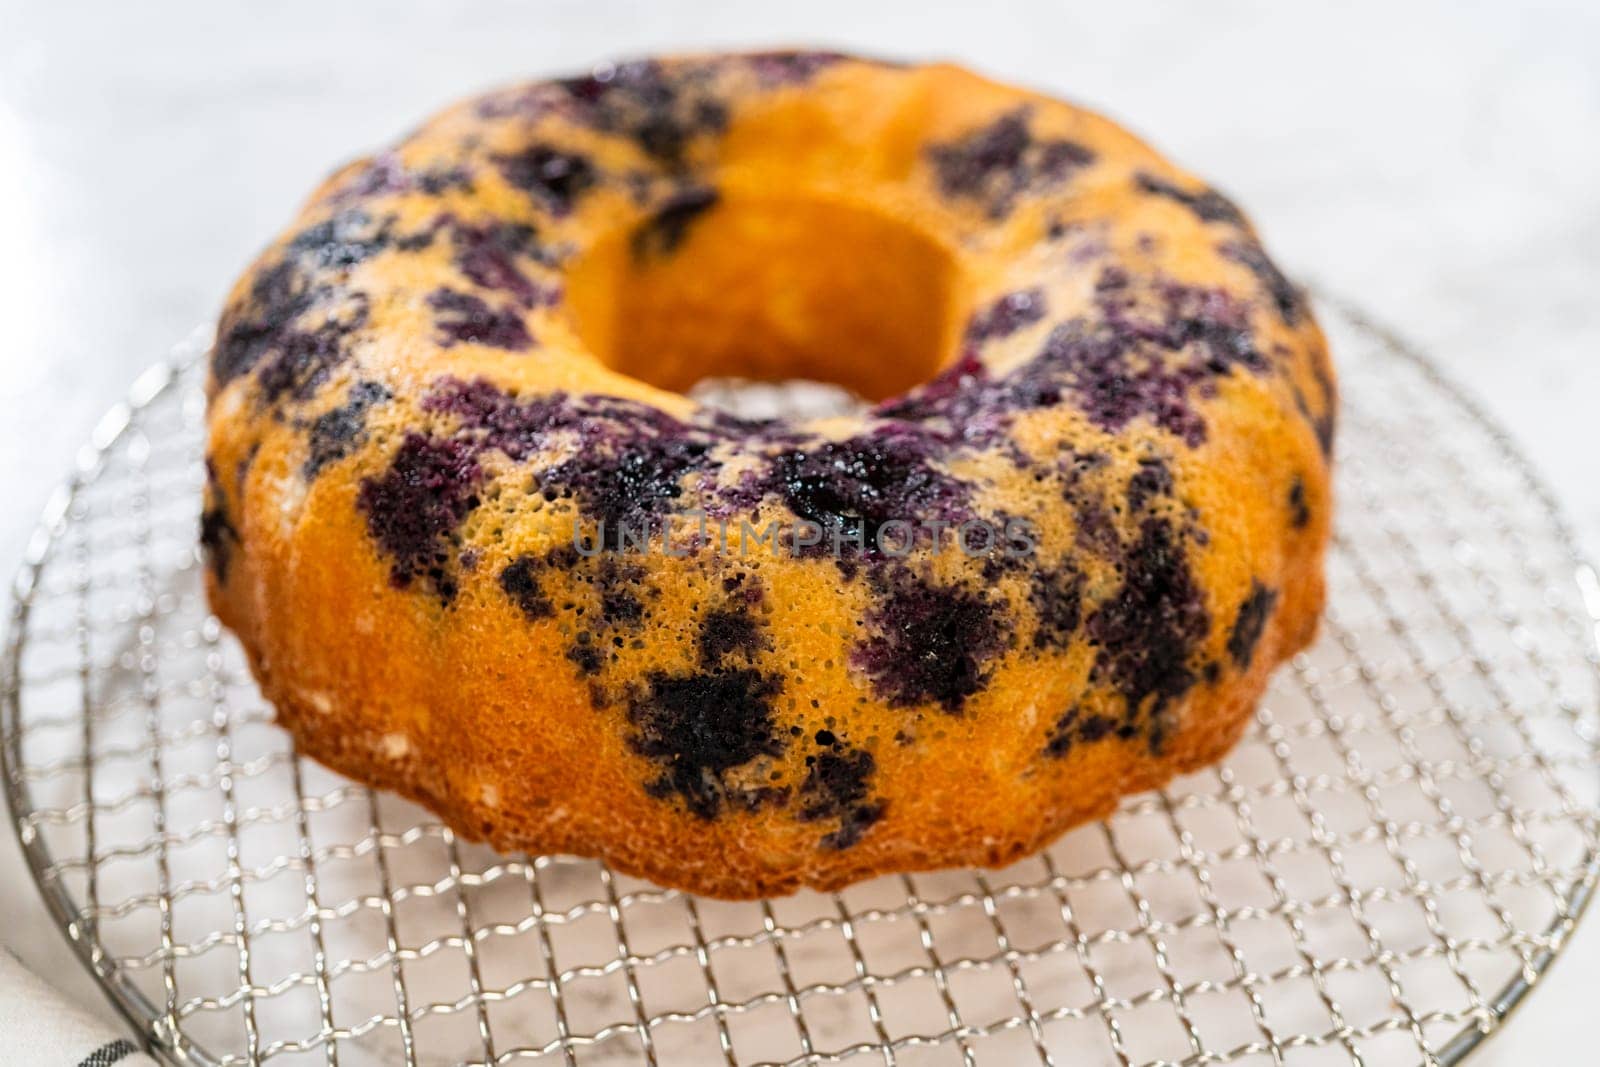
(1378, 875)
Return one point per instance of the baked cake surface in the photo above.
(481, 548)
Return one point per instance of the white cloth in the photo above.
(41, 1028)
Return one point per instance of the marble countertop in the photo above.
(1436, 163)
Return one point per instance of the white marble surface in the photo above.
(1438, 163)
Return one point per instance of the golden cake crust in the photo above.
(461, 370)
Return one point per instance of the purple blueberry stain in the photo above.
(933, 398)
(697, 728)
(490, 257)
(1147, 350)
(1006, 315)
(554, 178)
(440, 180)
(302, 360)
(1286, 297)
(1113, 388)
(791, 67)
(264, 333)
(639, 479)
(997, 163)
(1326, 425)
(1076, 727)
(345, 240)
(586, 655)
(278, 296)
(628, 463)
(1299, 508)
(415, 507)
(614, 611)
(335, 432)
(1058, 159)
(961, 407)
(493, 418)
(519, 580)
(462, 318)
(620, 584)
(667, 227)
(661, 111)
(1208, 205)
(928, 644)
(730, 631)
(1249, 623)
(970, 165)
(386, 175)
(854, 488)
(837, 786)
(1146, 633)
(382, 175)
(624, 464)
(1150, 481)
(218, 536)
(1057, 597)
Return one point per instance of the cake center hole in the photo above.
(770, 290)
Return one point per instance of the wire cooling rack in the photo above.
(1377, 875)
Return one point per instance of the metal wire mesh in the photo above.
(1377, 875)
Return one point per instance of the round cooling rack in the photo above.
(1377, 875)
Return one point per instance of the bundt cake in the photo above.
(481, 548)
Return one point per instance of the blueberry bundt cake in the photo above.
(482, 548)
